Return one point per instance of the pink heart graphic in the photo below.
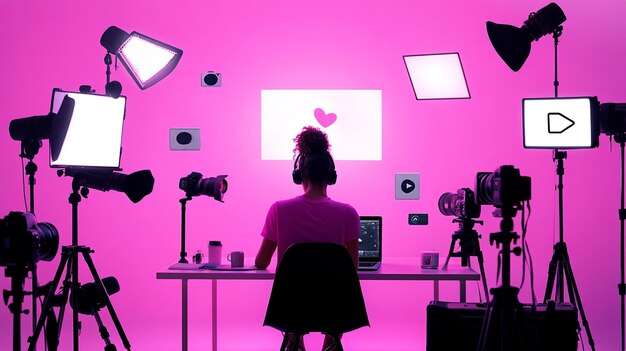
(325, 119)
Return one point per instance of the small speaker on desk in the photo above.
(456, 326)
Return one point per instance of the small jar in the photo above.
(215, 253)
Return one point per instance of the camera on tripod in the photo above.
(462, 204)
(505, 188)
(23, 241)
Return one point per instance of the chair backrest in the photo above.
(316, 289)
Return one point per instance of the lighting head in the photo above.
(135, 185)
(51, 126)
(504, 188)
(613, 118)
(194, 185)
(513, 44)
(90, 299)
(146, 59)
(461, 204)
(24, 242)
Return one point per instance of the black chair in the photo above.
(316, 289)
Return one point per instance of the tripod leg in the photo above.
(104, 333)
(552, 268)
(47, 305)
(479, 257)
(107, 301)
(571, 282)
(67, 284)
(484, 329)
(450, 252)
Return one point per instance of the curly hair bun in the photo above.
(311, 141)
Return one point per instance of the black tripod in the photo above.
(470, 246)
(69, 262)
(505, 301)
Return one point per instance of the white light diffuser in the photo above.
(560, 123)
(145, 59)
(94, 136)
(351, 118)
(437, 76)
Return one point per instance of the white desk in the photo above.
(391, 269)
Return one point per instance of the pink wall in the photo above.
(312, 45)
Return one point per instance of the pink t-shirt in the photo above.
(302, 219)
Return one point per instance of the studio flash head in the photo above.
(462, 204)
(504, 188)
(23, 241)
(194, 185)
(90, 298)
(613, 118)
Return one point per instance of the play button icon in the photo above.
(407, 186)
(558, 123)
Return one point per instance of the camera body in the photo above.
(23, 242)
(505, 187)
(191, 183)
(462, 204)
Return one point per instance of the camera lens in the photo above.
(210, 79)
(48, 240)
(449, 205)
(214, 187)
(484, 188)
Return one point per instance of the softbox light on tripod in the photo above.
(513, 44)
(146, 59)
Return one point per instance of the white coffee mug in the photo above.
(236, 259)
(430, 260)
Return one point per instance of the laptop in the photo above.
(370, 243)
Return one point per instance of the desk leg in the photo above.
(463, 290)
(436, 289)
(214, 313)
(184, 283)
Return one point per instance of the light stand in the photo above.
(621, 139)
(30, 149)
(560, 266)
(69, 261)
(470, 246)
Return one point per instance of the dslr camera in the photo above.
(462, 204)
(504, 188)
(23, 241)
(194, 185)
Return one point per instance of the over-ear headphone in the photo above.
(296, 174)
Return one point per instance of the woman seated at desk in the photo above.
(312, 216)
